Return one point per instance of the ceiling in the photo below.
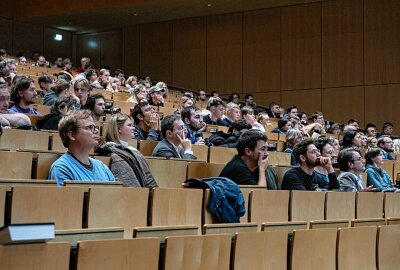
(81, 18)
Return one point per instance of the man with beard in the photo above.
(147, 122)
(23, 94)
(385, 143)
(96, 104)
(304, 177)
(193, 120)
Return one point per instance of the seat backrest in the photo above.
(200, 152)
(307, 205)
(356, 248)
(176, 206)
(221, 155)
(340, 205)
(118, 207)
(2, 204)
(280, 171)
(388, 166)
(56, 143)
(369, 205)
(61, 205)
(203, 170)
(168, 173)
(391, 204)
(321, 224)
(43, 164)
(388, 244)
(269, 206)
(279, 158)
(198, 252)
(314, 249)
(44, 256)
(122, 254)
(230, 228)
(124, 106)
(367, 222)
(147, 147)
(163, 231)
(260, 250)
(16, 165)
(25, 139)
(289, 226)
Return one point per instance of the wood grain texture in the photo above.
(308, 101)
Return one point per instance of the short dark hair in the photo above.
(387, 124)
(352, 120)
(345, 156)
(381, 140)
(246, 110)
(89, 72)
(321, 142)
(300, 149)
(282, 122)
(247, 96)
(91, 101)
(249, 139)
(272, 104)
(232, 95)
(44, 78)
(61, 103)
(168, 123)
(118, 71)
(239, 125)
(348, 138)
(20, 83)
(290, 108)
(187, 112)
(316, 114)
(138, 110)
(371, 153)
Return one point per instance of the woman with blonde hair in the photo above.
(138, 93)
(127, 163)
(82, 90)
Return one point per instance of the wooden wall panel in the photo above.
(131, 49)
(342, 43)
(341, 104)
(261, 51)
(301, 47)
(382, 41)
(53, 49)
(224, 53)
(308, 101)
(264, 99)
(156, 51)
(189, 53)
(88, 45)
(6, 9)
(381, 103)
(6, 33)
(111, 49)
(27, 38)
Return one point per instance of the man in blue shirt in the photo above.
(79, 134)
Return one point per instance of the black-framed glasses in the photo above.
(357, 159)
(92, 127)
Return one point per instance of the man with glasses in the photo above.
(79, 134)
(351, 165)
(156, 96)
(8, 117)
(304, 177)
(147, 122)
(385, 143)
(175, 144)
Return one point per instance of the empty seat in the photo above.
(16, 165)
(121, 254)
(24, 139)
(307, 205)
(168, 173)
(260, 250)
(201, 152)
(203, 170)
(43, 256)
(176, 206)
(147, 147)
(314, 249)
(61, 205)
(357, 248)
(279, 158)
(221, 155)
(392, 204)
(388, 245)
(269, 205)
(340, 205)
(43, 164)
(118, 207)
(210, 252)
(369, 205)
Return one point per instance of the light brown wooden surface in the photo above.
(340, 205)
(10, 183)
(123, 254)
(260, 250)
(393, 221)
(163, 231)
(203, 170)
(357, 248)
(44, 162)
(16, 165)
(221, 155)
(388, 247)
(269, 206)
(307, 205)
(75, 235)
(198, 252)
(57, 143)
(201, 152)
(314, 249)
(289, 226)
(118, 207)
(147, 147)
(369, 205)
(61, 205)
(392, 205)
(24, 139)
(322, 224)
(279, 158)
(168, 173)
(176, 206)
(2, 204)
(43, 256)
(230, 228)
(361, 222)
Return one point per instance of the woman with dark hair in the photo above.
(284, 124)
(377, 176)
(352, 138)
(127, 163)
(62, 107)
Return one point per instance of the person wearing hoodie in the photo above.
(62, 107)
(376, 176)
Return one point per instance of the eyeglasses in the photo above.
(92, 128)
(357, 159)
(4, 99)
(181, 128)
(314, 151)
